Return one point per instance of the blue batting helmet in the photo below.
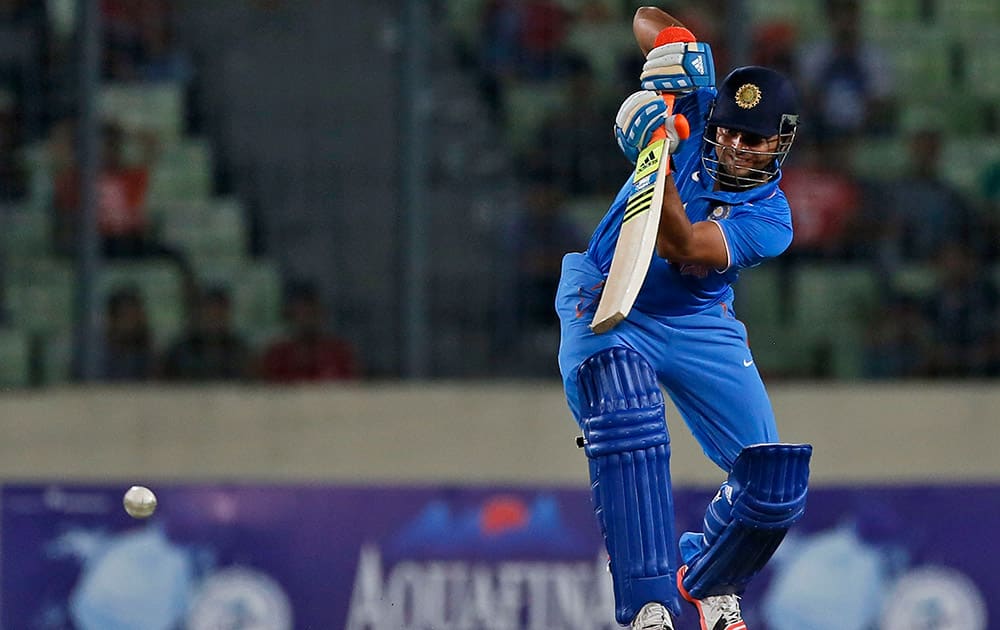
(755, 100)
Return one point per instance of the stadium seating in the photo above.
(968, 16)
(526, 106)
(964, 159)
(586, 211)
(879, 158)
(808, 320)
(162, 288)
(26, 234)
(183, 172)
(37, 162)
(921, 56)
(205, 230)
(603, 46)
(945, 61)
(761, 303)
(55, 359)
(256, 289)
(807, 15)
(15, 358)
(39, 296)
(881, 15)
(155, 107)
(760, 297)
(209, 231)
(983, 63)
(968, 112)
(831, 304)
(915, 280)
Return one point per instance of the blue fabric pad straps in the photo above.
(763, 497)
(629, 451)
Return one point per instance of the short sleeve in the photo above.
(751, 238)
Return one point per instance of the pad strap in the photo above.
(629, 450)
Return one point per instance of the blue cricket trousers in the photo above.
(702, 361)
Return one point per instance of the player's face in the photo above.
(742, 153)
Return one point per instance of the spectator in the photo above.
(124, 225)
(918, 213)
(898, 342)
(121, 46)
(991, 195)
(845, 81)
(24, 40)
(704, 18)
(138, 41)
(160, 58)
(544, 27)
(210, 349)
(963, 312)
(575, 141)
(707, 19)
(308, 352)
(128, 342)
(825, 199)
(499, 32)
(774, 45)
(991, 182)
(13, 178)
(121, 203)
(520, 40)
(539, 237)
(600, 35)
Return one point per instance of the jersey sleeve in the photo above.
(751, 238)
(695, 107)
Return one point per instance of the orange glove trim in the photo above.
(682, 126)
(683, 129)
(673, 34)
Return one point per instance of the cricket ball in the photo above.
(140, 502)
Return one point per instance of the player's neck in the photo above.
(720, 186)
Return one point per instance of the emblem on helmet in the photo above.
(748, 96)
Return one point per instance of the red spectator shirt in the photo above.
(325, 359)
(823, 203)
(121, 200)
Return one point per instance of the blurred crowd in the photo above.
(846, 212)
(211, 349)
(39, 108)
(550, 75)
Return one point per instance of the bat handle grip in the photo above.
(660, 133)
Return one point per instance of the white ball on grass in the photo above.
(140, 502)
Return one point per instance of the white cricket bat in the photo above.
(637, 236)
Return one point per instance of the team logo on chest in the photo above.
(720, 212)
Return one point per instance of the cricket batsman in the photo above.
(722, 211)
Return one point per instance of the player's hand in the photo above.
(678, 63)
(640, 115)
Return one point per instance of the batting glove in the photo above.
(639, 116)
(678, 63)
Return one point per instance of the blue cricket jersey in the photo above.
(756, 224)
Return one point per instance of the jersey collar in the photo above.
(750, 195)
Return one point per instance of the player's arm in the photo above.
(680, 241)
(676, 62)
(648, 23)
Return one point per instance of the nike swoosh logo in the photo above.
(747, 363)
